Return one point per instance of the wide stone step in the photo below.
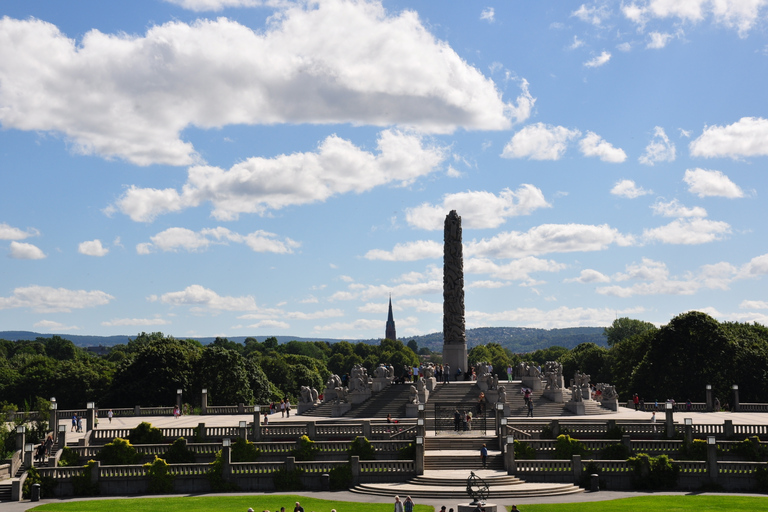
(515, 490)
(5, 492)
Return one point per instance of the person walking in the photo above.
(398, 504)
(484, 455)
(287, 408)
(282, 408)
(109, 415)
(636, 400)
(456, 420)
(530, 408)
(408, 504)
(74, 423)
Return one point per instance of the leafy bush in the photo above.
(654, 472)
(69, 457)
(616, 432)
(285, 480)
(524, 450)
(407, 452)
(160, 479)
(761, 475)
(751, 449)
(616, 451)
(118, 453)
(362, 448)
(306, 449)
(145, 433)
(546, 432)
(82, 485)
(47, 484)
(341, 477)
(566, 447)
(592, 468)
(178, 453)
(216, 476)
(244, 451)
(697, 450)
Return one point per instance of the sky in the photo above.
(276, 167)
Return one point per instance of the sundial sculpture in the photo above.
(477, 489)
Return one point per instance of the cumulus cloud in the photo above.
(746, 137)
(599, 60)
(753, 304)
(540, 142)
(735, 14)
(122, 322)
(25, 251)
(594, 15)
(660, 149)
(201, 299)
(658, 40)
(594, 145)
(218, 5)
(589, 276)
(479, 209)
(336, 61)
(92, 248)
(688, 231)
(548, 319)
(45, 299)
(488, 14)
(261, 184)
(173, 239)
(277, 313)
(409, 251)
(50, 325)
(548, 238)
(628, 188)
(673, 208)
(8, 232)
(706, 183)
(515, 270)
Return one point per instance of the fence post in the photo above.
(554, 425)
(367, 429)
(419, 462)
(712, 471)
(576, 467)
(137, 410)
(200, 433)
(709, 405)
(256, 424)
(509, 456)
(311, 430)
(240, 408)
(355, 465)
(736, 406)
(728, 429)
(204, 402)
(95, 470)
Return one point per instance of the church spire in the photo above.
(390, 332)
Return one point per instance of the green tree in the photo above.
(587, 358)
(623, 328)
(224, 373)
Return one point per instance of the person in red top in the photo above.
(636, 400)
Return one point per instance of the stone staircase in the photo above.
(390, 400)
(460, 451)
(5, 490)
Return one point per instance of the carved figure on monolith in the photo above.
(454, 334)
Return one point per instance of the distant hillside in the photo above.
(516, 339)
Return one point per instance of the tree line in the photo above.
(676, 360)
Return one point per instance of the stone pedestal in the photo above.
(379, 383)
(610, 404)
(411, 410)
(534, 383)
(304, 407)
(358, 397)
(488, 507)
(340, 409)
(455, 355)
(576, 408)
(431, 383)
(554, 395)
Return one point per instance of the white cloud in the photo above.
(336, 61)
(273, 314)
(594, 145)
(261, 184)
(746, 137)
(674, 209)
(539, 142)
(552, 319)
(753, 304)
(45, 299)
(515, 270)
(660, 149)
(706, 183)
(688, 231)
(577, 43)
(410, 251)
(50, 325)
(122, 322)
(270, 324)
(479, 209)
(628, 188)
(173, 239)
(92, 248)
(548, 238)
(10, 233)
(25, 251)
(624, 47)
(741, 15)
(658, 40)
(202, 298)
(599, 60)
(488, 14)
(594, 15)
(756, 266)
(218, 5)
(589, 276)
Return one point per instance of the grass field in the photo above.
(656, 503)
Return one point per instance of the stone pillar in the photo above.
(61, 438)
(241, 408)
(421, 421)
(226, 462)
(367, 432)
(354, 462)
(728, 429)
(688, 432)
(454, 332)
(312, 430)
(576, 467)
(204, 402)
(626, 441)
(554, 425)
(95, 470)
(736, 406)
(419, 460)
(290, 463)
(256, 424)
(509, 456)
(712, 471)
(669, 422)
(178, 398)
(709, 404)
(137, 410)
(90, 417)
(21, 436)
(201, 432)
(28, 456)
(54, 419)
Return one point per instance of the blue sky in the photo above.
(246, 167)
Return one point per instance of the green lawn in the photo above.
(730, 503)
(258, 502)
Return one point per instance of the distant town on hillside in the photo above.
(516, 339)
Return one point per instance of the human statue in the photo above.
(341, 394)
(305, 395)
(502, 395)
(314, 394)
(553, 373)
(381, 372)
(414, 396)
